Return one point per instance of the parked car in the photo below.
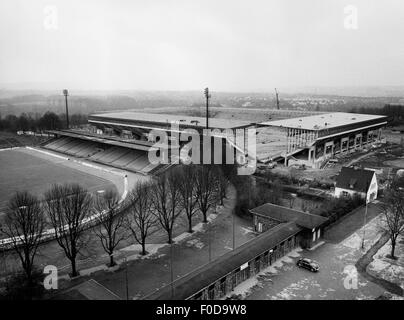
(308, 264)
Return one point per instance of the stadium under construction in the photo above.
(122, 139)
(314, 139)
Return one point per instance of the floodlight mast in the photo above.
(208, 96)
(277, 99)
(66, 93)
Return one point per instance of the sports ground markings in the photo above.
(91, 218)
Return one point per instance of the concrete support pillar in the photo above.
(229, 283)
(205, 295)
(217, 290)
(251, 265)
(358, 137)
(294, 139)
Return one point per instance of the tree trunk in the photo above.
(111, 260)
(393, 247)
(28, 268)
(74, 269)
(190, 224)
(28, 272)
(205, 217)
(144, 248)
(170, 236)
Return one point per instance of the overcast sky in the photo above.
(229, 45)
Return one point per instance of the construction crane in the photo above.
(277, 99)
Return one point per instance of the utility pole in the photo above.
(366, 213)
(234, 238)
(209, 243)
(277, 99)
(66, 93)
(172, 272)
(126, 278)
(208, 96)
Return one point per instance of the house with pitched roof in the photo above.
(357, 181)
(310, 226)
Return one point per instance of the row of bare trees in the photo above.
(186, 190)
(156, 203)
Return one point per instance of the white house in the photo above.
(359, 181)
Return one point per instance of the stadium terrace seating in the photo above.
(116, 156)
(54, 144)
(65, 145)
(125, 159)
(139, 163)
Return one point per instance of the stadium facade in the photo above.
(314, 139)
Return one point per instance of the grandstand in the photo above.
(121, 139)
(131, 156)
(313, 140)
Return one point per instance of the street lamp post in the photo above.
(233, 227)
(126, 278)
(365, 217)
(172, 270)
(364, 224)
(66, 93)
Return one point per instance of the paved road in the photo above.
(337, 257)
(146, 275)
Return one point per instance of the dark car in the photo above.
(308, 264)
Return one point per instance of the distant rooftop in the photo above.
(324, 121)
(164, 119)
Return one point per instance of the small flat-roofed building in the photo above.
(219, 277)
(314, 139)
(268, 215)
(357, 181)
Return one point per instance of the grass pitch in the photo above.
(24, 171)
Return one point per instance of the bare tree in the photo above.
(141, 219)
(206, 189)
(393, 211)
(110, 222)
(222, 184)
(166, 201)
(67, 206)
(24, 224)
(187, 192)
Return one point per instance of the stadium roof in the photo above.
(207, 274)
(324, 121)
(138, 118)
(135, 144)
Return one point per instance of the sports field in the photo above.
(22, 170)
